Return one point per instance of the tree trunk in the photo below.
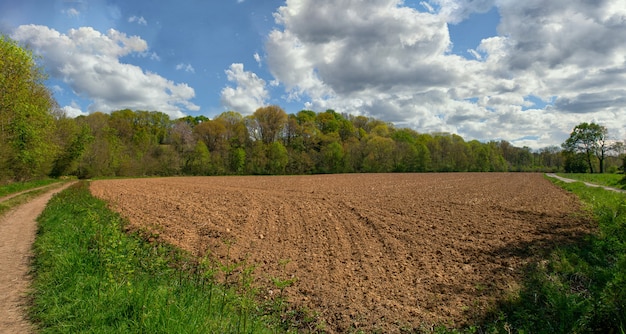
(601, 164)
(589, 162)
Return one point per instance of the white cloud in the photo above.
(257, 58)
(89, 62)
(73, 110)
(140, 20)
(249, 94)
(384, 59)
(185, 67)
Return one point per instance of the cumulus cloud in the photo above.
(385, 59)
(249, 93)
(73, 110)
(89, 62)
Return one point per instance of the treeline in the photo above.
(143, 143)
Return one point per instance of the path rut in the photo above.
(588, 184)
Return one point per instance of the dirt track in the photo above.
(373, 251)
(17, 234)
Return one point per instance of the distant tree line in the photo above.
(38, 140)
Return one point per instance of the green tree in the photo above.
(379, 155)
(327, 122)
(26, 120)
(589, 139)
(277, 158)
(74, 143)
(270, 122)
(200, 162)
(256, 158)
(575, 162)
(237, 160)
(104, 155)
(236, 131)
(332, 158)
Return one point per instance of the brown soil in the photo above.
(369, 251)
(17, 234)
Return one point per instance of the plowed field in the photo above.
(369, 251)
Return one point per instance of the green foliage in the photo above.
(269, 122)
(332, 158)
(91, 277)
(200, 160)
(277, 158)
(588, 139)
(137, 143)
(378, 155)
(575, 162)
(26, 121)
(237, 160)
(76, 141)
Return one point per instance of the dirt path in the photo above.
(17, 234)
(588, 184)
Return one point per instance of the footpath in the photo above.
(566, 180)
(18, 228)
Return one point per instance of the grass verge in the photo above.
(15, 187)
(20, 199)
(577, 288)
(89, 276)
(606, 179)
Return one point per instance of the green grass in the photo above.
(20, 199)
(12, 188)
(579, 287)
(91, 277)
(606, 179)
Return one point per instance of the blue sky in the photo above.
(523, 71)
